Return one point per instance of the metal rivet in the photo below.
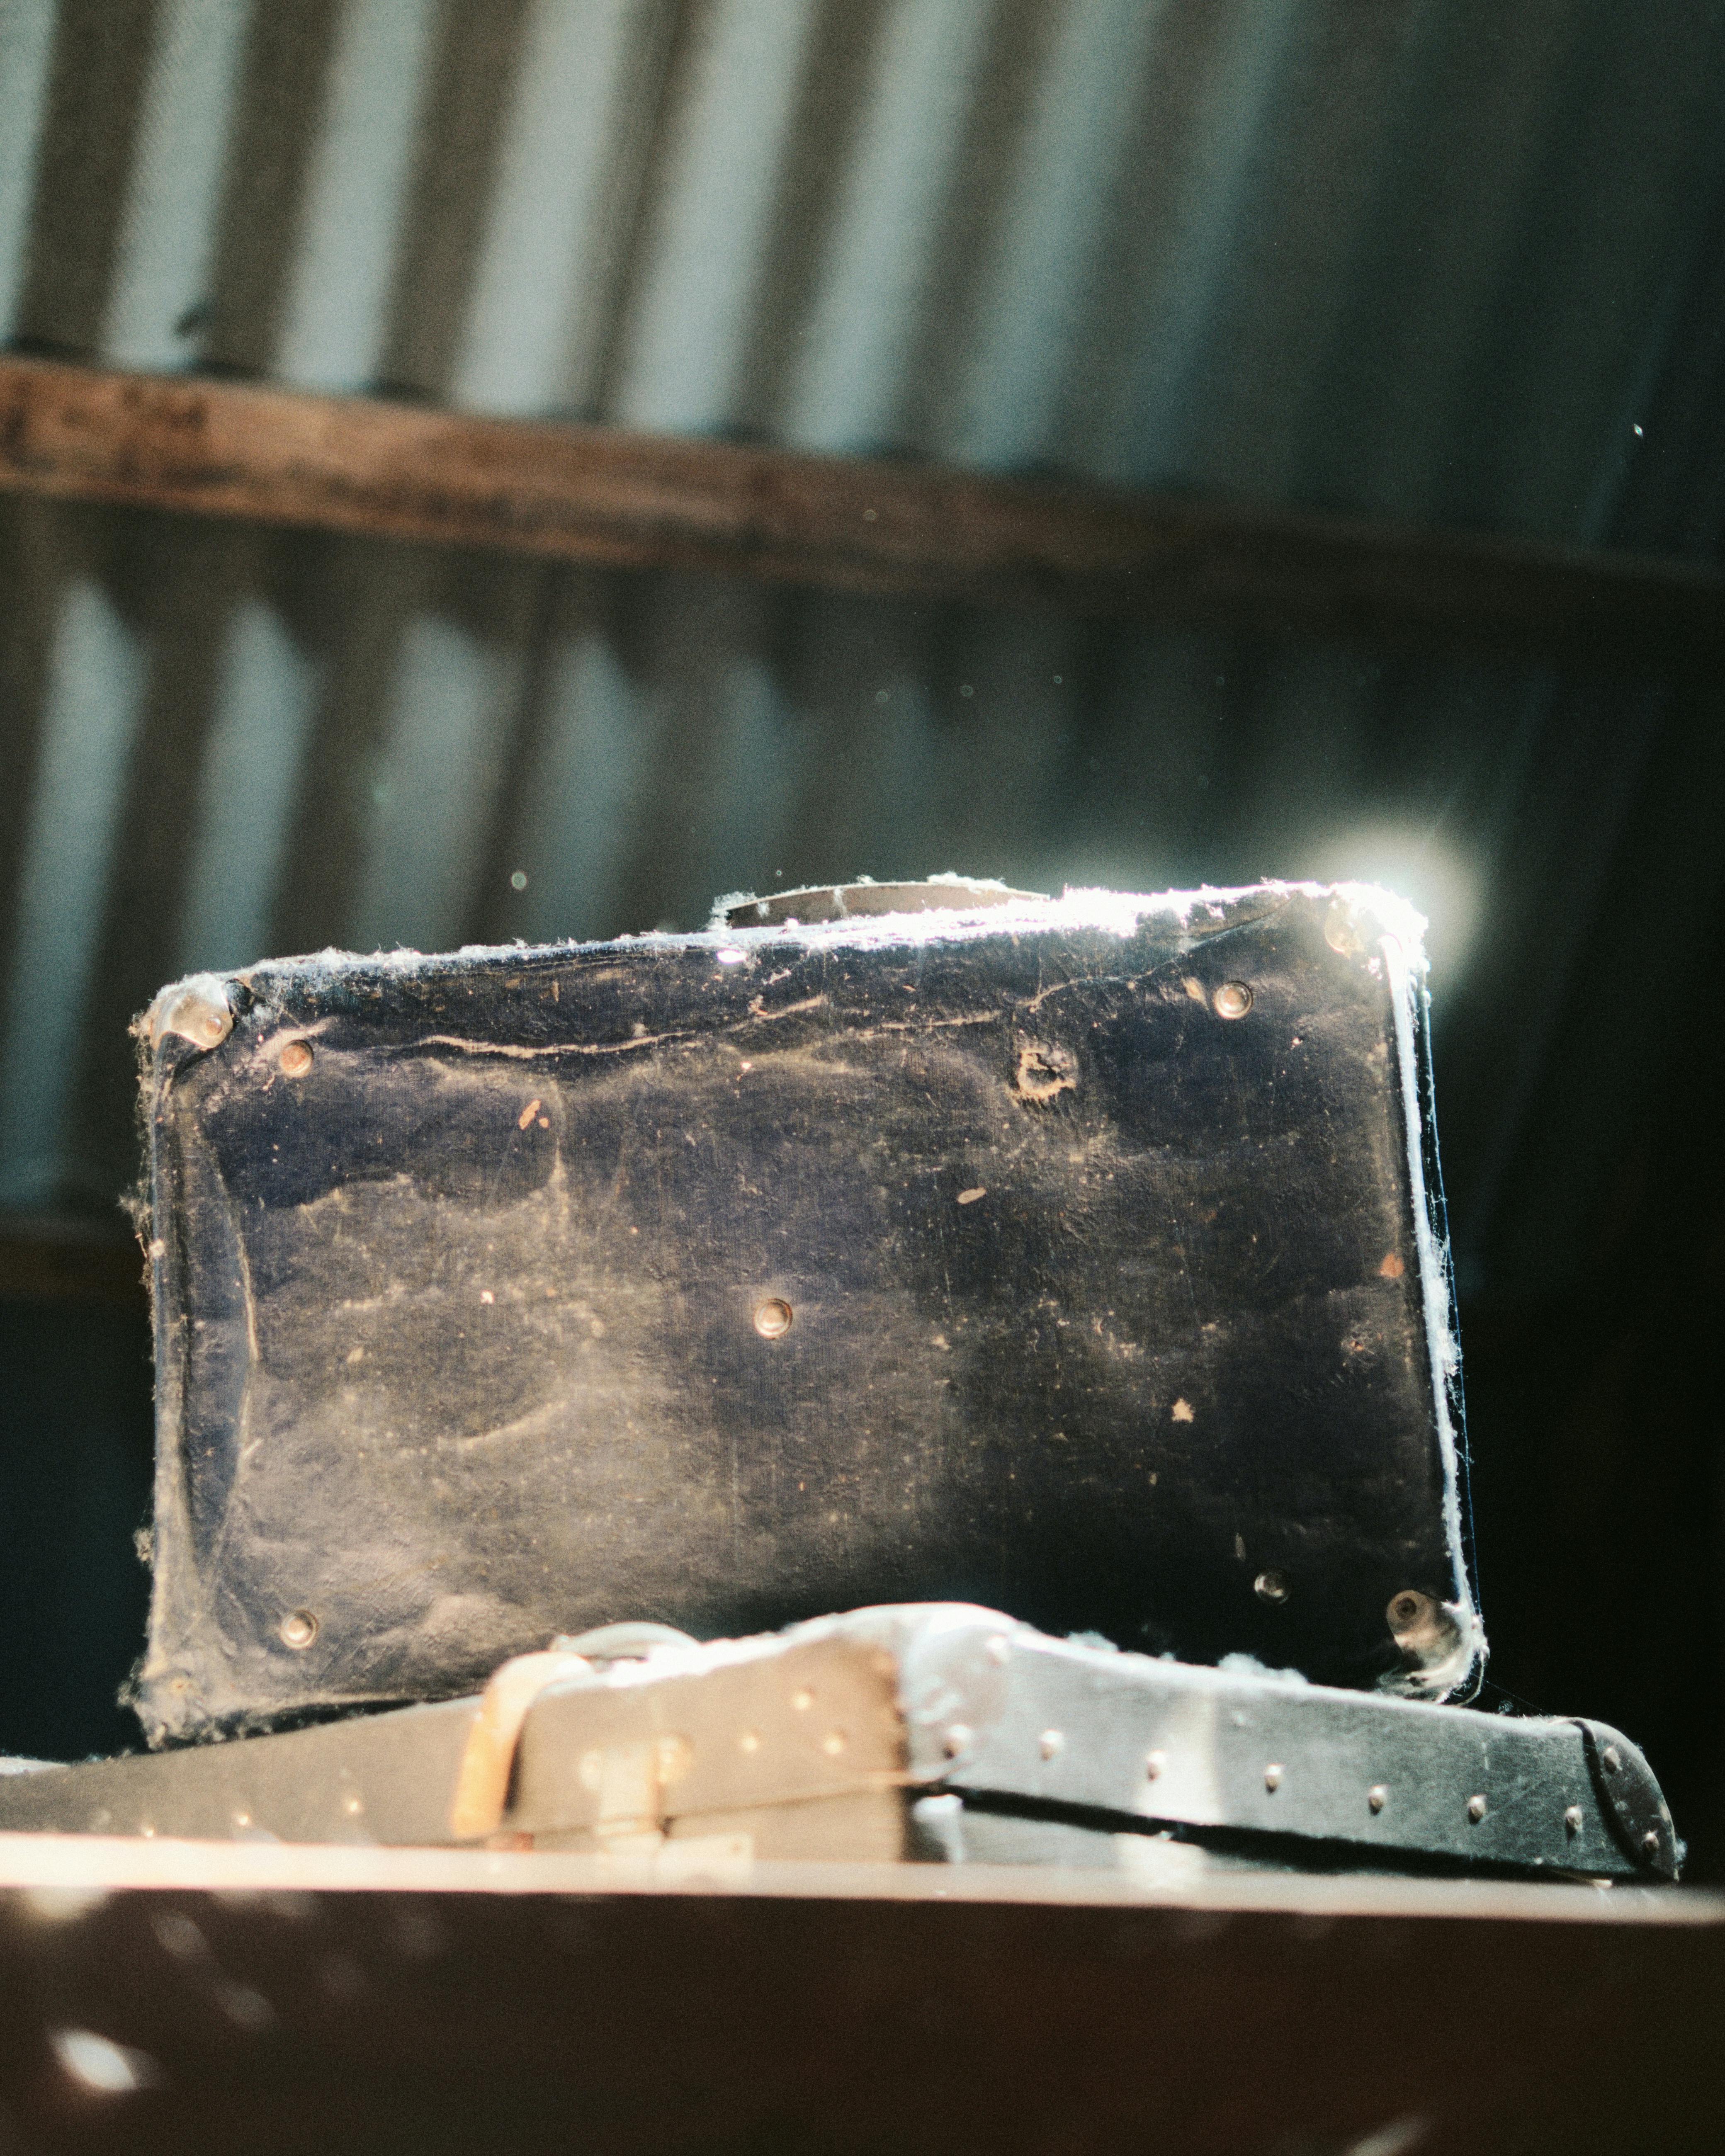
(1572, 1819)
(1407, 1609)
(1154, 1761)
(1650, 1842)
(1270, 1587)
(1611, 1758)
(749, 1741)
(1377, 1796)
(1050, 1743)
(802, 1701)
(958, 1737)
(832, 1743)
(1475, 1808)
(1272, 1778)
(773, 1318)
(197, 1010)
(1233, 1000)
(296, 1058)
(298, 1629)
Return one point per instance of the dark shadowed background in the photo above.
(1457, 267)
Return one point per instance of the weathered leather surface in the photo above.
(1103, 1307)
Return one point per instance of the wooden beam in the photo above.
(597, 495)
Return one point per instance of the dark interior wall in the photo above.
(74, 1490)
(1594, 1400)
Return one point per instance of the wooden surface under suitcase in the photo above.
(273, 2000)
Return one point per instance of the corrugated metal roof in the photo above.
(1453, 263)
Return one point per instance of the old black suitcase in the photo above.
(1081, 1258)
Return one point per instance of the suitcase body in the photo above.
(1080, 1258)
(915, 1733)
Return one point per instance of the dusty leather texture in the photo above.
(729, 1279)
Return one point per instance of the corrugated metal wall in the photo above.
(1452, 263)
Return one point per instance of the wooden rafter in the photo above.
(601, 496)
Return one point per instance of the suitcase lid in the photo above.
(1080, 1256)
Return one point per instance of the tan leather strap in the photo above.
(482, 1785)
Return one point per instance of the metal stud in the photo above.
(773, 1318)
(1475, 1808)
(295, 1059)
(1270, 1587)
(1154, 1763)
(1050, 1743)
(1272, 1779)
(1378, 1796)
(197, 1010)
(1650, 1843)
(1407, 1609)
(1572, 1819)
(1611, 1758)
(1233, 1000)
(298, 1629)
